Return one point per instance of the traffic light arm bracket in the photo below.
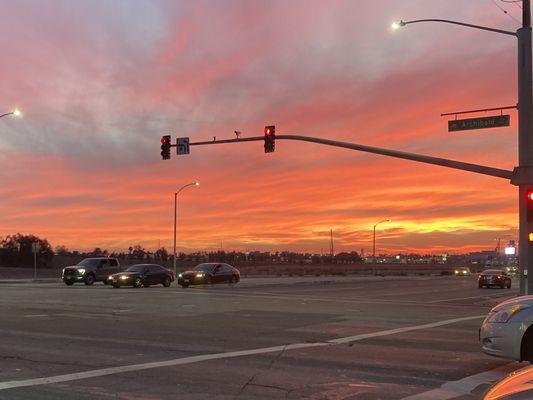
(443, 162)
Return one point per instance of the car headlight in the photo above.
(124, 277)
(110, 277)
(505, 314)
(63, 271)
(200, 275)
(81, 270)
(179, 275)
(456, 272)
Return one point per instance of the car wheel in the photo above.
(137, 283)
(480, 286)
(232, 280)
(166, 281)
(69, 283)
(145, 285)
(526, 347)
(208, 281)
(508, 285)
(116, 285)
(89, 279)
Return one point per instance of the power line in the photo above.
(504, 10)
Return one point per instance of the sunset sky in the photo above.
(100, 81)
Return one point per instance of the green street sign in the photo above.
(496, 121)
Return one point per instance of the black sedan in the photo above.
(142, 275)
(494, 277)
(209, 273)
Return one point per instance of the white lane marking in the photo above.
(216, 356)
(35, 315)
(353, 300)
(362, 336)
(487, 296)
(465, 386)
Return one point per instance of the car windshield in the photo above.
(204, 268)
(136, 268)
(492, 272)
(89, 262)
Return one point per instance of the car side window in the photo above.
(114, 263)
(217, 269)
(104, 263)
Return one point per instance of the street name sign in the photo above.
(182, 145)
(495, 121)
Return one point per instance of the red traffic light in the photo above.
(270, 138)
(165, 147)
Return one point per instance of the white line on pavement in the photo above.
(487, 296)
(35, 315)
(217, 356)
(465, 386)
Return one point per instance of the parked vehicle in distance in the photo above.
(90, 270)
(209, 273)
(462, 271)
(142, 275)
(515, 386)
(494, 277)
(507, 330)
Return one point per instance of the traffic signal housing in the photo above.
(270, 138)
(165, 147)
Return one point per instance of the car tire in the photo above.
(526, 347)
(116, 285)
(89, 280)
(166, 281)
(184, 286)
(105, 282)
(146, 285)
(208, 281)
(137, 282)
(508, 285)
(69, 283)
(480, 286)
(232, 280)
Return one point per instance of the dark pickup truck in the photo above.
(90, 270)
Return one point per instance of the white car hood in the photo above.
(522, 300)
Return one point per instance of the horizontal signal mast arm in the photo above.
(443, 162)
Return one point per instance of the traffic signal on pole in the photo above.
(165, 147)
(270, 138)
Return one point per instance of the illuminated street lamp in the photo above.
(523, 173)
(374, 246)
(16, 112)
(175, 217)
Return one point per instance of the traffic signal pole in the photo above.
(443, 162)
(524, 172)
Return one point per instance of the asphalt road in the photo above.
(342, 338)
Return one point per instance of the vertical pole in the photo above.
(374, 245)
(525, 147)
(175, 216)
(35, 263)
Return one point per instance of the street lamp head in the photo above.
(17, 112)
(397, 25)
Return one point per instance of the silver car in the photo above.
(507, 330)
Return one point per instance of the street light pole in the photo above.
(523, 174)
(374, 241)
(16, 112)
(175, 219)
(525, 148)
